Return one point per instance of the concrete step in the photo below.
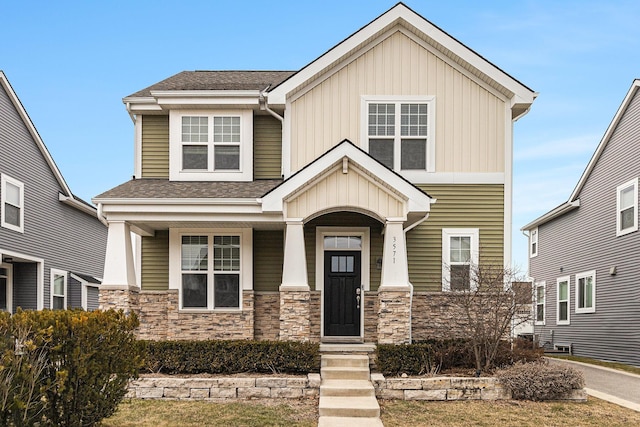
(345, 360)
(340, 406)
(347, 388)
(344, 373)
(349, 422)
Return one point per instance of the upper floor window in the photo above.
(563, 301)
(627, 208)
(12, 203)
(211, 146)
(399, 132)
(459, 256)
(586, 292)
(533, 243)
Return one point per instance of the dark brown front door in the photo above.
(342, 293)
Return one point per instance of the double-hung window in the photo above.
(627, 208)
(399, 132)
(12, 203)
(459, 256)
(58, 289)
(563, 301)
(533, 243)
(586, 292)
(540, 303)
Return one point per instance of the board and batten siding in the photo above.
(584, 240)
(64, 237)
(267, 145)
(155, 146)
(470, 119)
(268, 258)
(458, 206)
(155, 262)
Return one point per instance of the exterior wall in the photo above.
(155, 146)
(74, 297)
(25, 280)
(61, 235)
(470, 120)
(92, 297)
(585, 239)
(268, 258)
(267, 146)
(154, 268)
(459, 206)
(267, 316)
(434, 316)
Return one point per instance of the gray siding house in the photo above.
(584, 255)
(52, 244)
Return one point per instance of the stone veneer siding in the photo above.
(294, 315)
(393, 316)
(371, 307)
(118, 299)
(267, 316)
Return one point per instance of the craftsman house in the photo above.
(583, 255)
(52, 245)
(339, 203)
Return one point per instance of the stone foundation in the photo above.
(294, 315)
(315, 317)
(267, 316)
(393, 316)
(371, 307)
(118, 298)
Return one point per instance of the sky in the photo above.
(72, 62)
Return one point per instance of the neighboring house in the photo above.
(52, 244)
(301, 205)
(583, 255)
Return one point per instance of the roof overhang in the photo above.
(554, 213)
(164, 100)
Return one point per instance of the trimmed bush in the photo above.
(540, 380)
(230, 357)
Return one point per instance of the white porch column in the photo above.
(395, 269)
(118, 264)
(294, 269)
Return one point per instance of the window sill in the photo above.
(585, 310)
(626, 231)
(563, 323)
(209, 310)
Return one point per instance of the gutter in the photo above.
(552, 214)
(264, 104)
(100, 215)
(131, 115)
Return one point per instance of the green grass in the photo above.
(612, 365)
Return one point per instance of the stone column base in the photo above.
(394, 315)
(119, 298)
(294, 315)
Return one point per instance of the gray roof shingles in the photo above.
(148, 188)
(218, 80)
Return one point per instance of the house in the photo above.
(52, 244)
(332, 203)
(583, 254)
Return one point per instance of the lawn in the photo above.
(139, 413)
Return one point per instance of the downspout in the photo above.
(101, 217)
(264, 105)
(131, 115)
(406, 230)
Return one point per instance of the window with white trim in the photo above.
(564, 293)
(399, 132)
(627, 208)
(586, 292)
(211, 146)
(58, 289)
(459, 256)
(540, 303)
(533, 243)
(12, 203)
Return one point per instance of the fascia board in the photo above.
(205, 93)
(552, 214)
(75, 203)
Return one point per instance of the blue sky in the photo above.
(72, 62)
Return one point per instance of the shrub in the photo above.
(540, 380)
(229, 357)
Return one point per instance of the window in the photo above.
(58, 289)
(533, 243)
(627, 208)
(211, 146)
(563, 301)
(399, 133)
(12, 204)
(586, 292)
(540, 302)
(459, 255)
(5, 287)
(210, 271)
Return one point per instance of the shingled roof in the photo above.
(218, 80)
(148, 188)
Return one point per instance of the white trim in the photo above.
(583, 275)
(508, 188)
(84, 299)
(534, 238)
(4, 180)
(137, 146)
(568, 300)
(634, 184)
(9, 277)
(18, 257)
(543, 285)
(447, 233)
(286, 142)
(53, 272)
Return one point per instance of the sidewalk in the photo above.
(621, 388)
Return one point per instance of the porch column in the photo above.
(118, 289)
(394, 294)
(295, 295)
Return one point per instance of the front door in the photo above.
(342, 293)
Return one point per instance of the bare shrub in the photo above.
(540, 380)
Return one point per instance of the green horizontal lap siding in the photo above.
(155, 262)
(268, 256)
(155, 146)
(458, 206)
(267, 136)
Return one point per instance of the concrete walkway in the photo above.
(614, 386)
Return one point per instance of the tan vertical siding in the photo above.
(155, 146)
(458, 206)
(268, 256)
(267, 136)
(155, 262)
(470, 120)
